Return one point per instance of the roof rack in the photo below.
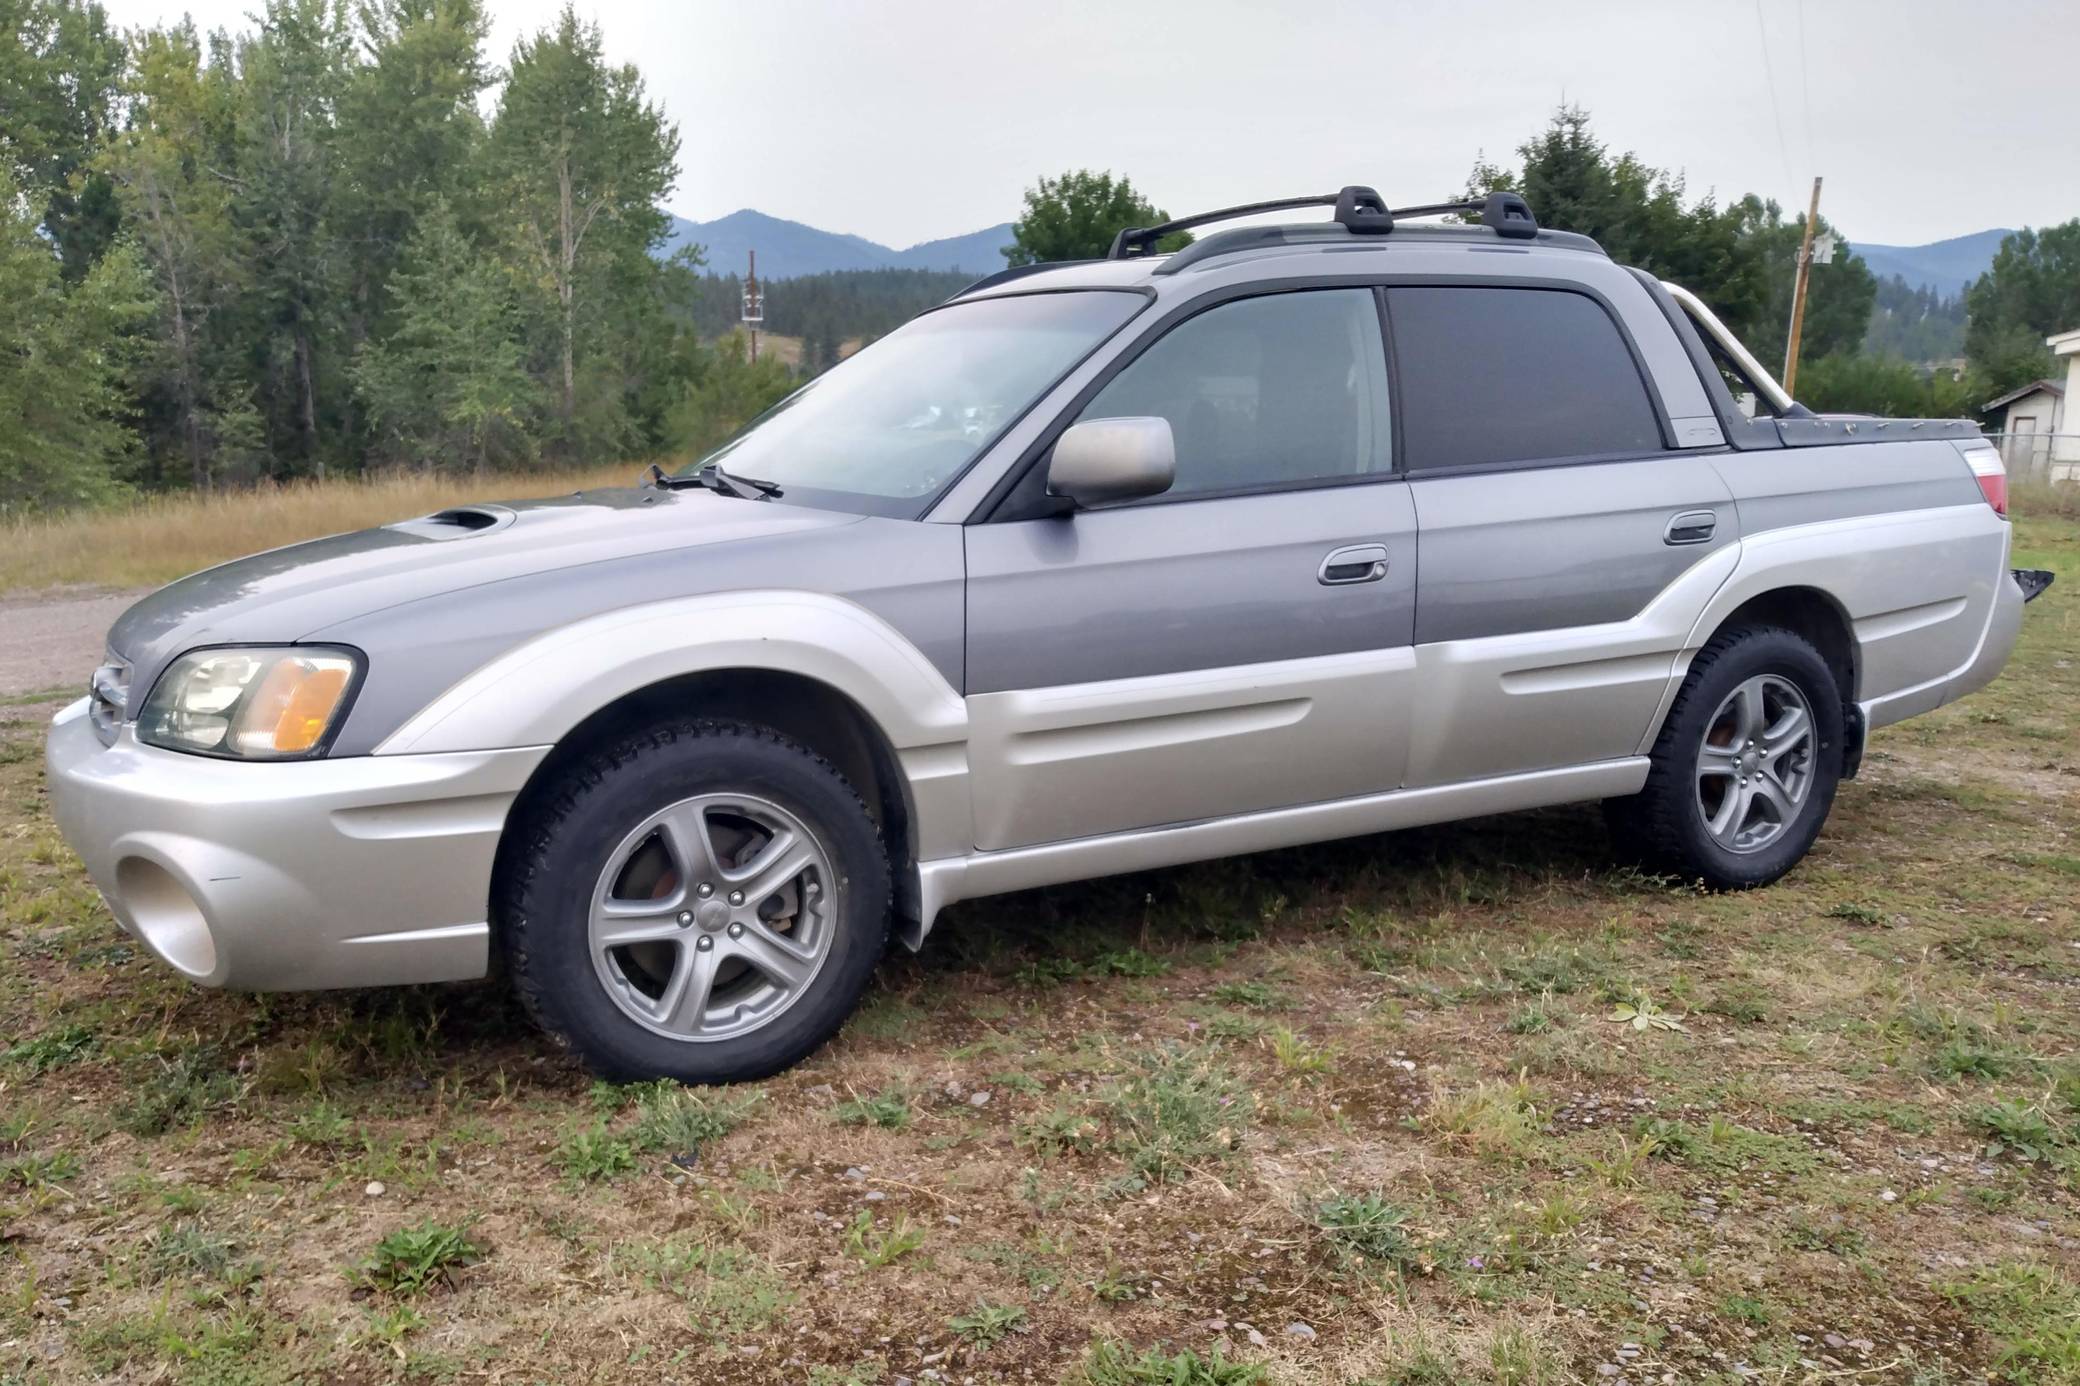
(1359, 210)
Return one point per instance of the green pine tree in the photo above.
(447, 386)
(65, 434)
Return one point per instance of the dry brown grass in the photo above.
(2043, 500)
(160, 538)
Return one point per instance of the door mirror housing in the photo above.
(1105, 461)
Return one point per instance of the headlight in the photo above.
(249, 704)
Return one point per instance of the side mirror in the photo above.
(1103, 461)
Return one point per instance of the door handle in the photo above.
(1691, 527)
(1353, 563)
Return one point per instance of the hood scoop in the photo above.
(457, 522)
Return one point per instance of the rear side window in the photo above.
(1265, 392)
(1494, 376)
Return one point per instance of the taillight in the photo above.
(1993, 477)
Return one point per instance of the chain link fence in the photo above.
(2039, 456)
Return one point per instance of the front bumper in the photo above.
(361, 871)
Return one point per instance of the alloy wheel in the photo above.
(713, 916)
(1755, 767)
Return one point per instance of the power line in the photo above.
(1805, 88)
(1775, 107)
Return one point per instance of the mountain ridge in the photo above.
(789, 249)
(1947, 266)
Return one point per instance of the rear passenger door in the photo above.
(1238, 643)
(1553, 512)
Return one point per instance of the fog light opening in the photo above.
(166, 916)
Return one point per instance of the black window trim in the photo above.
(996, 506)
(1742, 433)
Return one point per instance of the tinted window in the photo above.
(1509, 375)
(1265, 391)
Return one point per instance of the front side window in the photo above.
(1264, 392)
(1495, 376)
(889, 426)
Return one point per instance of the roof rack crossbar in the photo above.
(1359, 210)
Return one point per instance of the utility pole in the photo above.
(754, 305)
(1798, 292)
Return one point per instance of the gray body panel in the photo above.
(426, 611)
(906, 573)
(1810, 483)
(1198, 584)
(1541, 548)
(1185, 660)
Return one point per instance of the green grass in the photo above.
(1368, 1227)
(2033, 1311)
(1112, 1363)
(674, 1120)
(987, 1323)
(413, 1260)
(1370, 1086)
(591, 1154)
(878, 1244)
(1181, 1109)
(888, 1109)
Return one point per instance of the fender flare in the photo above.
(1875, 570)
(535, 693)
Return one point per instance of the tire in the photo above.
(649, 841)
(1701, 757)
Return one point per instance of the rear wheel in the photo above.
(1745, 768)
(704, 902)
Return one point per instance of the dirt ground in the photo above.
(1469, 1104)
(55, 639)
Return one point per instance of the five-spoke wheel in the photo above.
(712, 916)
(1755, 766)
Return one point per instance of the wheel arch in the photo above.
(1808, 612)
(818, 715)
(817, 668)
(1814, 615)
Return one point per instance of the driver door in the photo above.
(1241, 642)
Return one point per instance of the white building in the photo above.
(2039, 439)
(2025, 421)
(2065, 441)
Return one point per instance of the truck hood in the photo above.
(288, 594)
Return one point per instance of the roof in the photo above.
(2049, 387)
(1258, 243)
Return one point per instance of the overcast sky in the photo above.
(907, 120)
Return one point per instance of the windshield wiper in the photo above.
(717, 480)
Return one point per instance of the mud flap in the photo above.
(2032, 581)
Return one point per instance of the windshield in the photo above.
(895, 422)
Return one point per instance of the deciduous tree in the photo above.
(581, 158)
(1075, 217)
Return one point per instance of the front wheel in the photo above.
(706, 901)
(1745, 768)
